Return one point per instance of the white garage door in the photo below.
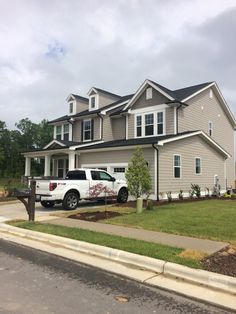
(118, 172)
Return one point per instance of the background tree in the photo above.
(138, 176)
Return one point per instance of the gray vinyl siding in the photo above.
(116, 156)
(106, 100)
(81, 106)
(118, 128)
(142, 102)
(212, 164)
(131, 126)
(107, 129)
(169, 120)
(194, 117)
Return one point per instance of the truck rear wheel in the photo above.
(47, 204)
(70, 201)
(122, 195)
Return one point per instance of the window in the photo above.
(160, 127)
(99, 175)
(66, 132)
(71, 107)
(76, 175)
(93, 102)
(119, 170)
(210, 128)
(60, 171)
(149, 93)
(177, 166)
(149, 124)
(87, 130)
(139, 125)
(58, 132)
(198, 166)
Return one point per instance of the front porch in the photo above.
(56, 163)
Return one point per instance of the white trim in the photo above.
(108, 166)
(96, 96)
(126, 127)
(155, 170)
(154, 123)
(178, 178)
(54, 142)
(87, 120)
(107, 149)
(198, 92)
(142, 88)
(92, 89)
(113, 107)
(149, 109)
(208, 138)
(84, 145)
(148, 93)
(175, 120)
(195, 159)
(100, 127)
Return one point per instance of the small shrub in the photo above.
(169, 196)
(149, 205)
(196, 190)
(181, 196)
(207, 192)
(226, 195)
(191, 193)
(233, 196)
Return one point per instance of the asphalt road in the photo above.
(37, 282)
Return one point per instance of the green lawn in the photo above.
(210, 219)
(158, 251)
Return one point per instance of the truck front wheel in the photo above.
(70, 201)
(122, 195)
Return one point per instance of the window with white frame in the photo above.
(66, 132)
(149, 124)
(149, 93)
(93, 102)
(58, 132)
(177, 166)
(210, 128)
(198, 165)
(160, 123)
(87, 130)
(139, 126)
(71, 107)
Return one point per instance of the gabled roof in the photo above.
(99, 90)
(182, 93)
(61, 143)
(78, 98)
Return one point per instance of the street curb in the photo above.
(196, 276)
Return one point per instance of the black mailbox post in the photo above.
(27, 197)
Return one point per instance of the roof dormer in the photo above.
(76, 104)
(99, 98)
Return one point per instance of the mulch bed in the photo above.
(95, 216)
(222, 262)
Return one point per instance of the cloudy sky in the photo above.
(50, 49)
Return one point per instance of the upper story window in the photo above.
(58, 132)
(210, 128)
(87, 131)
(198, 165)
(93, 102)
(149, 124)
(177, 166)
(149, 93)
(71, 107)
(66, 132)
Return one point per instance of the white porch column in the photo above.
(47, 164)
(72, 160)
(27, 166)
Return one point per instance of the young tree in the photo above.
(138, 175)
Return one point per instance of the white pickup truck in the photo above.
(87, 184)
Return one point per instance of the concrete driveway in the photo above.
(16, 210)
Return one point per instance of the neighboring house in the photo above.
(187, 136)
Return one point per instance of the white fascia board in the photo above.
(54, 142)
(84, 145)
(92, 89)
(201, 133)
(43, 153)
(198, 92)
(141, 89)
(113, 107)
(70, 96)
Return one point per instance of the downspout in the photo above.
(157, 173)
(101, 117)
(71, 121)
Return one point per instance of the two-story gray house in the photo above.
(187, 136)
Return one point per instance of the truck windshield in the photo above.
(76, 175)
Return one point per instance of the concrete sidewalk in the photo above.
(206, 246)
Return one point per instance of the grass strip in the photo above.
(154, 250)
